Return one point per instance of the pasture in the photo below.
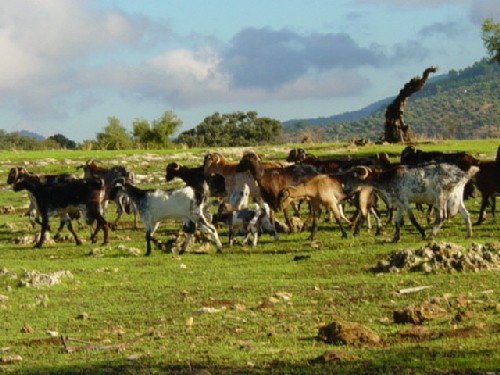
(247, 310)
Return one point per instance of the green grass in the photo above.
(145, 304)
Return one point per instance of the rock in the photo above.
(27, 329)
(417, 314)
(348, 333)
(417, 332)
(11, 359)
(442, 255)
(83, 316)
(38, 279)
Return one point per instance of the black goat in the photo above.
(195, 177)
(80, 193)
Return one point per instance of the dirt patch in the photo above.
(348, 333)
(443, 256)
(417, 314)
(334, 356)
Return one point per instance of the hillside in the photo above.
(461, 104)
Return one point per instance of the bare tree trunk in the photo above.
(396, 130)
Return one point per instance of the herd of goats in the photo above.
(440, 180)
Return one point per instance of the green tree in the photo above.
(233, 129)
(114, 136)
(491, 38)
(63, 141)
(158, 133)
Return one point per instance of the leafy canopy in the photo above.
(233, 129)
(491, 38)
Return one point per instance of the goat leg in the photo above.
(148, 242)
(314, 225)
(78, 241)
(482, 210)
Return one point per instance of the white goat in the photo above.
(156, 205)
(249, 222)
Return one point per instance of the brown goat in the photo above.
(216, 163)
(320, 190)
(272, 180)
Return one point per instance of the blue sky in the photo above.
(67, 65)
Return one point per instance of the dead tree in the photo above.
(395, 128)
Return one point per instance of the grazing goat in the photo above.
(195, 177)
(272, 180)
(156, 205)
(64, 195)
(92, 170)
(487, 181)
(249, 222)
(16, 173)
(441, 185)
(320, 190)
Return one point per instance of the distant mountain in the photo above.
(345, 116)
(461, 104)
(27, 133)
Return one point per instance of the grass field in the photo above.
(245, 311)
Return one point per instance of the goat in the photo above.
(320, 190)
(155, 205)
(412, 156)
(239, 199)
(365, 201)
(487, 181)
(64, 195)
(195, 177)
(335, 165)
(272, 180)
(92, 170)
(248, 221)
(16, 173)
(439, 184)
(215, 163)
(298, 155)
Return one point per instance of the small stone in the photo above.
(83, 316)
(27, 329)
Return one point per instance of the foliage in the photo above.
(246, 311)
(63, 141)
(114, 136)
(233, 129)
(462, 105)
(491, 38)
(156, 135)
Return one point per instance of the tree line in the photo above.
(228, 129)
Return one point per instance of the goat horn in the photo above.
(362, 172)
(173, 166)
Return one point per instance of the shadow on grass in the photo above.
(410, 360)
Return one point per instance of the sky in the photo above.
(69, 65)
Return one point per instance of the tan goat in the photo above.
(235, 181)
(320, 190)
